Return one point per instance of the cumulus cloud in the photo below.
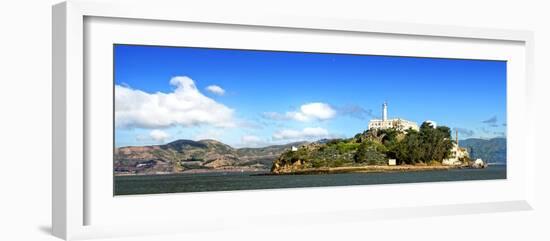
(215, 89)
(185, 106)
(306, 112)
(316, 110)
(304, 134)
(153, 136)
(158, 135)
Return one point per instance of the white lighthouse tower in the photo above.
(385, 111)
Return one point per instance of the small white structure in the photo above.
(396, 123)
(293, 148)
(392, 162)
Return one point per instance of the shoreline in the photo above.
(196, 171)
(312, 171)
(363, 169)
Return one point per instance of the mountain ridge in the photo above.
(188, 155)
(491, 150)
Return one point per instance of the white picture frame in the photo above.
(72, 110)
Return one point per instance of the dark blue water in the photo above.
(125, 185)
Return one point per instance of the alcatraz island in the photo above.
(388, 145)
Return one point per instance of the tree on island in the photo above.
(371, 153)
(437, 141)
(423, 146)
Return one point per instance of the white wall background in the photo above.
(25, 120)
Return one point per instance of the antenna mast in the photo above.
(456, 133)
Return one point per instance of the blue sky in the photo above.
(258, 98)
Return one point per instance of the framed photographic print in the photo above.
(180, 110)
(275, 119)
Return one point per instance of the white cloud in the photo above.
(185, 106)
(153, 136)
(304, 134)
(215, 89)
(307, 112)
(299, 116)
(317, 110)
(158, 135)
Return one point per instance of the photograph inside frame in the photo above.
(190, 119)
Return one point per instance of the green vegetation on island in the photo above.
(428, 146)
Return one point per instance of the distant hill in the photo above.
(490, 150)
(188, 155)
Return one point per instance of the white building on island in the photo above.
(396, 123)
